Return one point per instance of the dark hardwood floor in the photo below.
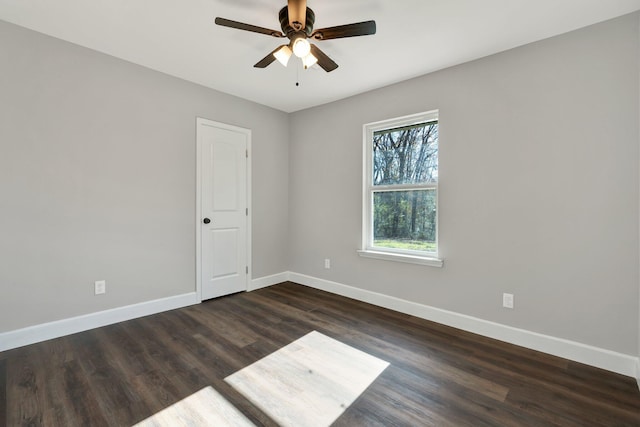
(121, 374)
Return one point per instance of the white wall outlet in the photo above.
(507, 300)
(327, 263)
(101, 287)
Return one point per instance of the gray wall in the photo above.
(97, 180)
(538, 187)
(539, 184)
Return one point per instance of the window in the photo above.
(400, 189)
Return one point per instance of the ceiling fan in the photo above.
(296, 21)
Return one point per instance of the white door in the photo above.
(223, 201)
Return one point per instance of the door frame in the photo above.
(206, 122)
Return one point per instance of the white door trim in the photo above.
(206, 122)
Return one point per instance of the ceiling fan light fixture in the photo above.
(301, 47)
(309, 61)
(283, 55)
(297, 21)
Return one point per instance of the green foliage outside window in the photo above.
(405, 218)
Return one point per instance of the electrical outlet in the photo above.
(327, 263)
(101, 287)
(507, 300)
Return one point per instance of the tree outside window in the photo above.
(402, 185)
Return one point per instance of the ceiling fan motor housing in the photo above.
(288, 30)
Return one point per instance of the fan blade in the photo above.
(247, 27)
(324, 61)
(350, 30)
(297, 14)
(267, 60)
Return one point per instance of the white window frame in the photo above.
(368, 249)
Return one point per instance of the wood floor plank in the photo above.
(116, 399)
(193, 361)
(400, 355)
(80, 398)
(439, 376)
(3, 392)
(230, 327)
(25, 398)
(51, 363)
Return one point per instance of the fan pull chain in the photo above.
(297, 74)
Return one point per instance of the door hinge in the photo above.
(247, 269)
(246, 153)
(246, 211)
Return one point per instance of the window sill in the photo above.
(411, 259)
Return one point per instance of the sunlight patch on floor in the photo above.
(309, 382)
(206, 407)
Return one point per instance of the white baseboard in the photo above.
(59, 328)
(266, 281)
(594, 356)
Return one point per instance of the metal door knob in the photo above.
(206, 220)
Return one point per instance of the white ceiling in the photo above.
(414, 37)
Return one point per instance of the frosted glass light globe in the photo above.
(301, 47)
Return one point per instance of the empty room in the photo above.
(314, 213)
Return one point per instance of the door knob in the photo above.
(206, 220)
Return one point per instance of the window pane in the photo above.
(405, 220)
(406, 155)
